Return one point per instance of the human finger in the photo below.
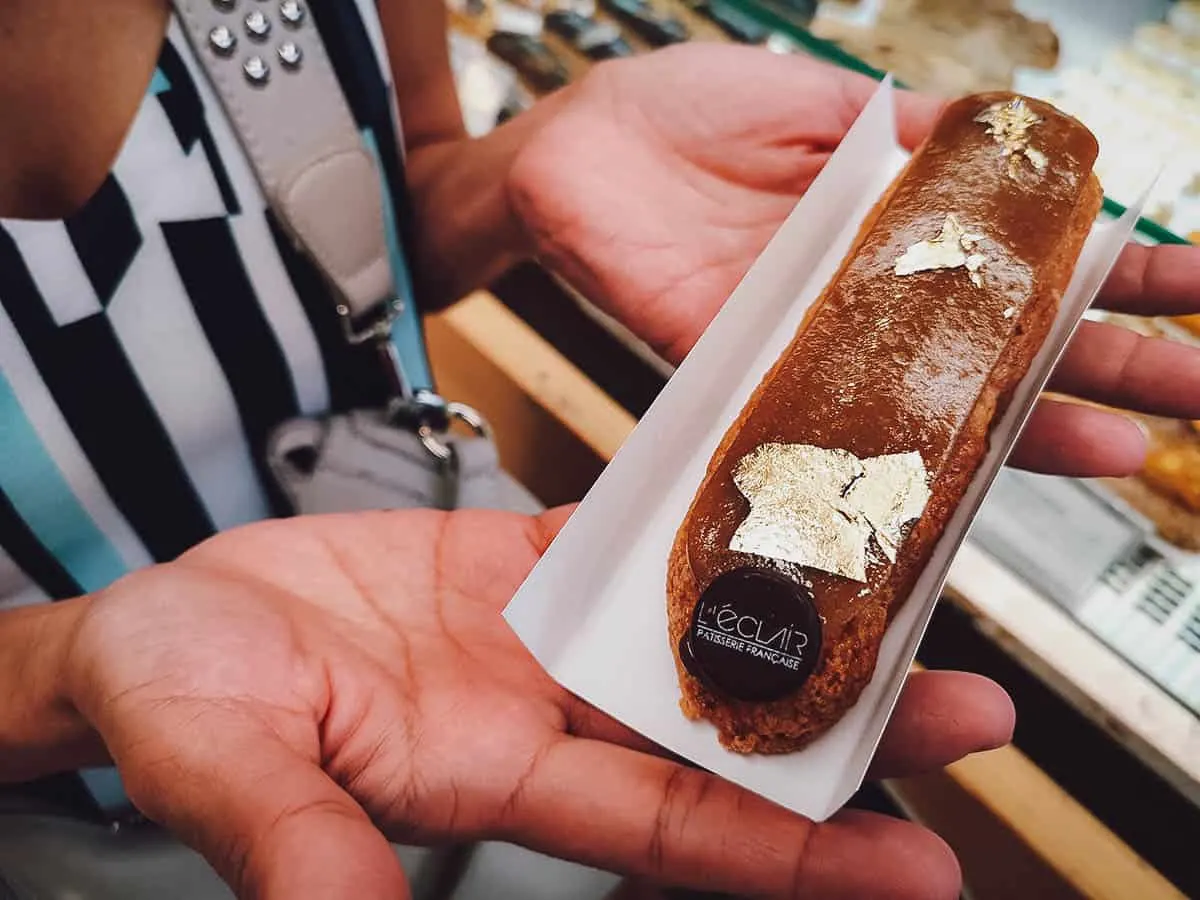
(1063, 438)
(585, 721)
(1154, 281)
(1120, 368)
(270, 821)
(650, 817)
(940, 718)
(915, 111)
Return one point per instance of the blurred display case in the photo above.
(1130, 69)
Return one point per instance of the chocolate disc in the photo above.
(755, 635)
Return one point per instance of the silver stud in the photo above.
(290, 55)
(258, 26)
(292, 12)
(222, 40)
(225, 5)
(257, 71)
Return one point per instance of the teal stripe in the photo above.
(160, 83)
(407, 335)
(42, 498)
(107, 790)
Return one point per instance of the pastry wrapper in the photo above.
(593, 610)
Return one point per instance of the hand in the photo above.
(284, 690)
(660, 180)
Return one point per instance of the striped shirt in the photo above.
(150, 343)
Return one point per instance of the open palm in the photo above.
(660, 180)
(286, 694)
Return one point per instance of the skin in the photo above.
(356, 668)
(350, 699)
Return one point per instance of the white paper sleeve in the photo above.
(593, 611)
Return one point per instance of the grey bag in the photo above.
(361, 461)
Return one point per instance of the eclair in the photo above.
(827, 495)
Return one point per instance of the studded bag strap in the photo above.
(268, 64)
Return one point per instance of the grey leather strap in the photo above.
(267, 62)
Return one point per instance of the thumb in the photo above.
(916, 112)
(270, 821)
(552, 521)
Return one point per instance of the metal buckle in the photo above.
(377, 331)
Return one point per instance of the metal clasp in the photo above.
(425, 411)
(432, 417)
(378, 332)
(378, 329)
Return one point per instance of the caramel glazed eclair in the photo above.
(826, 497)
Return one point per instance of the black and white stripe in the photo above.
(85, 369)
(67, 455)
(28, 571)
(156, 337)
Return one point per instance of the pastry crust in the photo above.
(856, 620)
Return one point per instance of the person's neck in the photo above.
(72, 76)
